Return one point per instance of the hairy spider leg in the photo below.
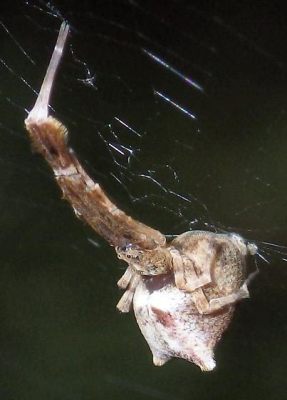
(124, 281)
(124, 305)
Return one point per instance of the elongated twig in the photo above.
(89, 201)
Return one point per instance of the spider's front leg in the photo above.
(125, 280)
(186, 278)
(131, 279)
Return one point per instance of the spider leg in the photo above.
(185, 273)
(178, 269)
(125, 302)
(251, 276)
(242, 293)
(200, 301)
(199, 265)
(124, 281)
(220, 302)
(193, 281)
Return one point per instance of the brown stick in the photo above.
(89, 201)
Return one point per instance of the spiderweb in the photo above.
(176, 108)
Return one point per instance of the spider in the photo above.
(210, 267)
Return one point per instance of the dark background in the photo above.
(60, 334)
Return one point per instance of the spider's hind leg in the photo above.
(186, 275)
(220, 302)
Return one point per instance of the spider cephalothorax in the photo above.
(146, 262)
